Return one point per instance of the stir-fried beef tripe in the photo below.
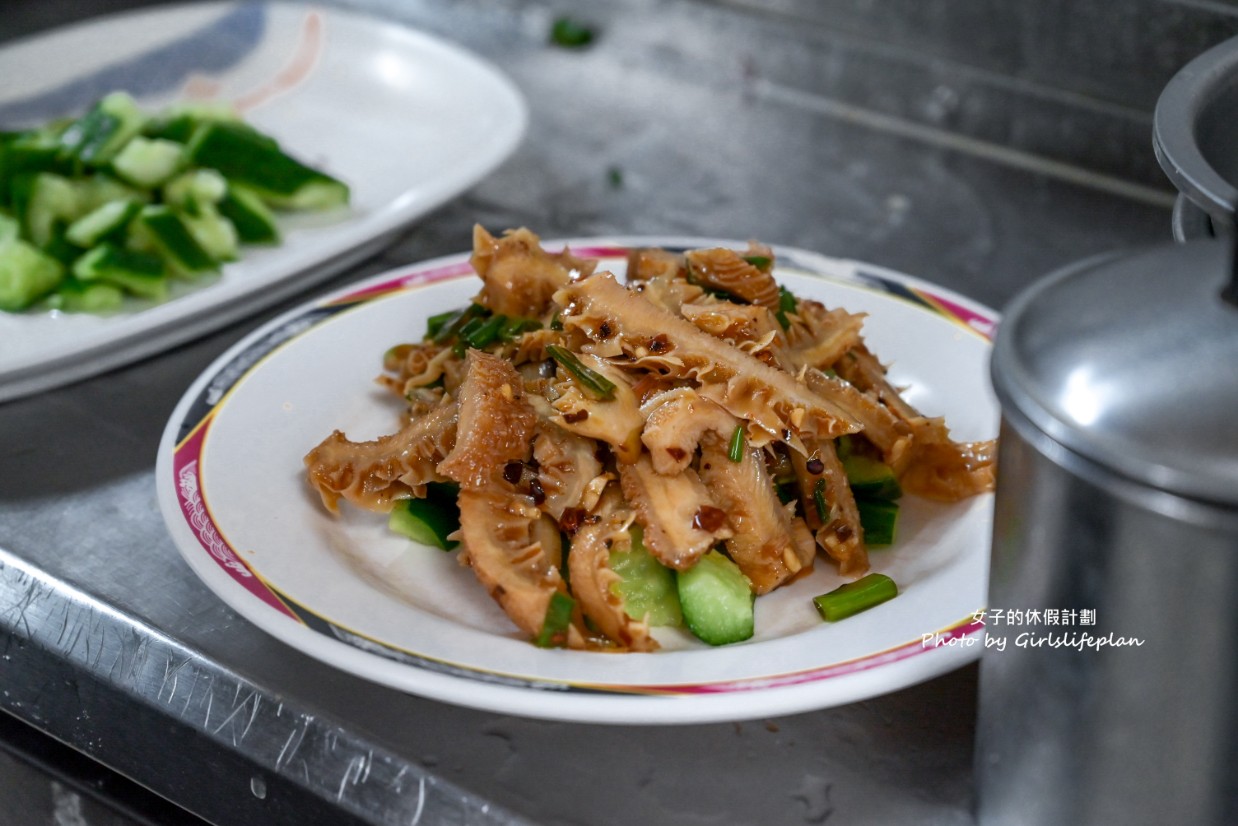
(764, 544)
(829, 506)
(374, 475)
(519, 277)
(680, 519)
(621, 448)
(511, 545)
(746, 277)
(933, 465)
(603, 310)
(496, 422)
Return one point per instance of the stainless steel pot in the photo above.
(1109, 681)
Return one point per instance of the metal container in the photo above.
(1109, 681)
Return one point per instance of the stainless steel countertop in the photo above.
(109, 643)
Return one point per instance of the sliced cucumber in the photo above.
(430, 520)
(871, 477)
(178, 122)
(878, 518)
(74, 296)
(717, 600)
(214, 233)
(248, 157)
(95, 137)
(160, 229)
(646, 586)
(26, 274)
(148, 162)
(110, 219)
(10, 228)
(137, 272)
(91, 194)
(557, 621)
(195, 191)
(28, 153)
(254, 221)
(45, 201)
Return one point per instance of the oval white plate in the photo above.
(407, 120)
(232, 490)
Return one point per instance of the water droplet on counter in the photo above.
(259, 787)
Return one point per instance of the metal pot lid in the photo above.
(1132, 362)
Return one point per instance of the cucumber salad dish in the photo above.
(116, 203)
(608, 456)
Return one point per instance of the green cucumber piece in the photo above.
(195, 191)
(717, 600)
(137, 272)
(96, 190)
(646, 586)
(160, 229)
(96, 137)
(430, 520)
(557, 621)
(10, 228)
(254, 221)
(108, 220)
(854, 597)
(74, 296)
(148, 162)
(178, 121)
(28, 153)
(45, 201)
(214, 233)
(26, 274)
(870, 478)
(248, 157)
(878, 518)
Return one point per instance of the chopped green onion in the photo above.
(592, 382)
(818, 499)
(786, 304)
(761, 262)
(514, 326)
(735, 450)
(615, 176)
(479, 332)
(570, 34)
(451, 328)
(556, 322)
(854, 597)
(435, 322)
(558, 620)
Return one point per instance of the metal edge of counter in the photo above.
(233, 752)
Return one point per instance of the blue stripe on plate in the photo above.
(212, 48)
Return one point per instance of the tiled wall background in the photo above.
(1071, 82)
(1074, 81)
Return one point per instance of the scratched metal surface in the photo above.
(110, 644)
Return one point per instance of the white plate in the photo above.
(407, 120)
(232, 490)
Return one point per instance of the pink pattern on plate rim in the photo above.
(186, 471)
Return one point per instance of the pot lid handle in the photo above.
(1190, 97)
